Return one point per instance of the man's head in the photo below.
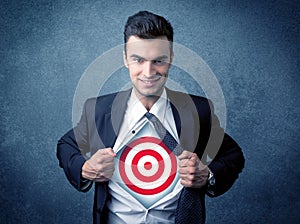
(147, 25)
(148, 54)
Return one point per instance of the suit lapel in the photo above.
(118, 109)
(111, 121)
(186, 119)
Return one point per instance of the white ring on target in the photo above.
(154, 165)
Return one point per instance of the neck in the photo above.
(147, 101)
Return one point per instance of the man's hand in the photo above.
(192, 172)
(100, 167)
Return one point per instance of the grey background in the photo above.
(251, 46)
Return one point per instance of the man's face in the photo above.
(148, 61)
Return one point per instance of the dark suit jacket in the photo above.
(197, 127)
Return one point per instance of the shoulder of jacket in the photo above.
(182, 96)
(105, 99)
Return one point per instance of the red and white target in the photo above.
(147, 166)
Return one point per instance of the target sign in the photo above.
(147, 166)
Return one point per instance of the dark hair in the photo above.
(147, 25)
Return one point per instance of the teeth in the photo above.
(151, 81)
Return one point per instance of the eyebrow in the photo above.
(155, 59)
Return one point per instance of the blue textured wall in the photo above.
(251, 46)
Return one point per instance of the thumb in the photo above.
(110, 151)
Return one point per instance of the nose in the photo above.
(148, 70)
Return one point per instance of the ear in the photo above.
(125, 59)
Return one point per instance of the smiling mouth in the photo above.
(150, 81)
(154, 79)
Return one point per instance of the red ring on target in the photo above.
(160, 163)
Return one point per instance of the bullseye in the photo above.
(147, 166)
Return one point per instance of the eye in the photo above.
(158, 62)
(138, 60)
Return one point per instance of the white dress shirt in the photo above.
(123, 206)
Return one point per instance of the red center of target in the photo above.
(148, 166)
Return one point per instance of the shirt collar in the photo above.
(137, 108)
(160, 106)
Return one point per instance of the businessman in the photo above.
(166, 180)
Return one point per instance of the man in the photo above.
(110, 125)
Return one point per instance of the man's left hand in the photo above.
(192, 172)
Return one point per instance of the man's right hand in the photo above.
(100, 167)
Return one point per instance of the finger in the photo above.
(106, 151)
(103, 156)
(102, 175)
(89, 175)
(105, 167)
(183, 170)
(88, 168)
(185, 155)
(110, 151)
(193, 157)
(192, 162)
(106, 159)
(183, 163)
(186, 179)
(187, 171)
(106, 173)
(186, 182)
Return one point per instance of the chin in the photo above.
(151, 93)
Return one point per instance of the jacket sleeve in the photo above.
(70, 150)
(227, 165)
(228, 159)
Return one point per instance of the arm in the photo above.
(72, 147)
(226, 166)
(70, 150)
(71, 160)
(228, 160)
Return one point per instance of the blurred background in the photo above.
(252, 47)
